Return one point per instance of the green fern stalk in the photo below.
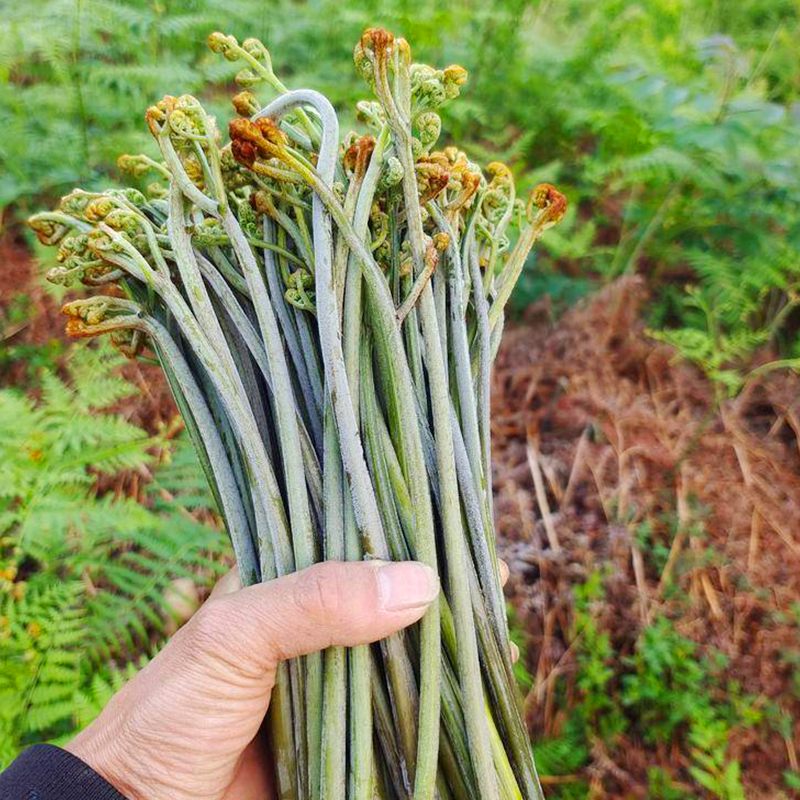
(322, 316)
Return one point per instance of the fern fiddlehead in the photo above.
(323, 318)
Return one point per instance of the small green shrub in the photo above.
(665, 693)
(599, 708)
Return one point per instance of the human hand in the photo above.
(185, 728)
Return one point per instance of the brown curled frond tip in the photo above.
(245, 104)
(546, 196)
(271, 131)
(379, 40)
(438, 182)
(261, 203)
(244, 152)
(243, 129)
(357, 156)
(251, 140)
(77, 329)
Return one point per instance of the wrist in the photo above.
(121, 766)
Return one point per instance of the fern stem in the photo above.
(337, 385)
(334, 724)
(236, 520)
(455, 550)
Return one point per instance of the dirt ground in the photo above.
(617, 433)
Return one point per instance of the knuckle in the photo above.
(209, 626)
(319, 592)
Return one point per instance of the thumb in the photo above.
(329, 604)
(179, 728)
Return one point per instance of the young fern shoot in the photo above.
(326, 313)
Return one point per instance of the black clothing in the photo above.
(45, 772)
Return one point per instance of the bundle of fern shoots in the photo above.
(326, 313)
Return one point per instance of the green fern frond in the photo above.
(660, 163)
(182, 479)
(92, 698)
(98, 567)
(563, 755)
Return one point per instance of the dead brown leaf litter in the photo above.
(599, 430)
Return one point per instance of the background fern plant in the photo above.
(83, 577)
(670, 123)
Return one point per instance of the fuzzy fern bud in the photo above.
(92, 316)
(246, 104)
(251, 141)
(372, 52)
(551, 204)
(300, 292)
(75, 203)
(441, 241)
(124, 221)
(48, 231)
(156, 190)
(427, 86)
(102, 243)
(454, 78)
(137, 166)
(209, 233)
(429, 127)
(371, 113)
(65, 276)
(223, 44)
(256, 49)
(392, 173)
(156, 115)
(499, 193)
(247, 78)
(73, 250)
(98, 209)
(128, 195)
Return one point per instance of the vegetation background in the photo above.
(674, 128)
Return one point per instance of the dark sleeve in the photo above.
(45, 772)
